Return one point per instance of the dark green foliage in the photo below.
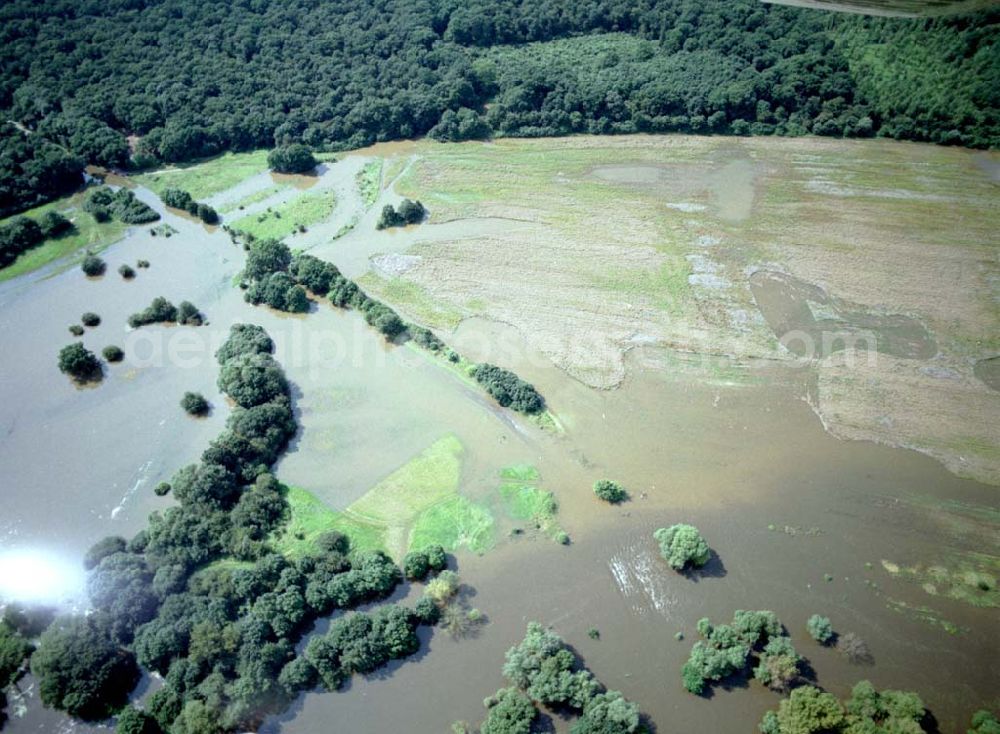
(113, 353)
(508, 389)
(142, 264)
(18, 235)
(126, 272)
(90, 139)
(79, 362)
(189, 315)
(361, 643)
(315, 274)
(162, 311)
(984, 722)
(278, 291)
(102, 549)
(809, 709)
(244, 339)
(28, 621)
(778, 667)
(682, 546)
(543, 669)
(383, 318)
(179, 199)
(608, 713)
(426, 339)
(542, 666)
(819, 628)
(80, 670)
(509, 712)
(93, 266)
(610, 491)
(333, 541)
(120, 588)
(131, 720)
(266, 257)
(416, 566)
(32, 169)
(159, 311)
(464, 124)
(90, 319)
(409, 212)
(252, 379)
(726, 648)
(14, 650)
(162, 489)
(437, 559)
(294, 158)
(53, 224)
(122, 205)
(76, 330)
(194, 404)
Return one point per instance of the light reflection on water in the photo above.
(39, 575)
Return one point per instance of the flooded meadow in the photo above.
(705, 416)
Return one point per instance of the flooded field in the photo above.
(710, 420)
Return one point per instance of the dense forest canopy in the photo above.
(191, 79)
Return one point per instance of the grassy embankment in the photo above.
(420, 504)
(289, 217)
(205, 178)
(87, 234)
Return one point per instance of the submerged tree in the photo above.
(79, 362)
(682, 546)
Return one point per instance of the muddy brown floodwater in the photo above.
(799, 520)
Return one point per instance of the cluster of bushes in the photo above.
(162, 311)
(508, 389)
(808, 709)
(180, 199)
(79, 362)
(21, 234)
(727, 649)
(682, 546)
(409, 212)
(543, 670)
(610, 491)
(293, 158)
(105, 205)
(93, 266)
(194, 403)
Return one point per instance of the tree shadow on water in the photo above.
(713, 569)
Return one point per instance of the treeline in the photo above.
(32, 169)
(21, 234)
(193, 79)
(273, 276)
(104, 204)
(180, 199)
(224, 636)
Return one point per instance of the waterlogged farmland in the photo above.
(669, 297)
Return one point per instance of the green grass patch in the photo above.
(430, 477)
(208, 177)
(284, 219)
(308, 519)
(87, 234)
(370, 181)
(453, 524)
(411, 298)
(525, 502)
(255, 197)
(520, 473)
